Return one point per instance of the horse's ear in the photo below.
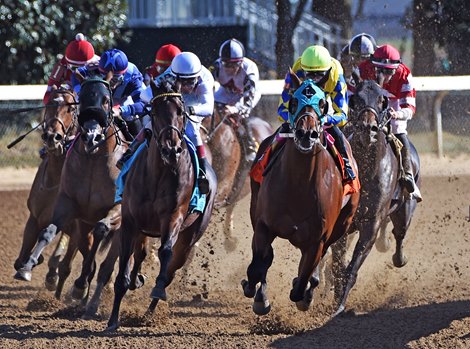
(177, 86)
(295, 81)
(357, 79)
(324, 106)
(109, 76)
(79, 76)
(154, 87)
(385, 103)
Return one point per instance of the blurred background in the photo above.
(431, 35)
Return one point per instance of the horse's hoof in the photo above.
(139, 281)
(339, 311)
(51, 282)
(112, 327)
(23, 275)
(79, 293)
(247, 291)
(40, 260)
(158, 293)
(303, 305)
(261, 308)
(399, 262)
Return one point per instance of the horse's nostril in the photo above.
(98, 138)
(314, 135)
(165, 152)
(374, 128)
(58, 137)
(299, 133)
(44, 137)
(179, 150)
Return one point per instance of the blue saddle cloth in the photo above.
(198, 200)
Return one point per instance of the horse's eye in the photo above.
(293, 103)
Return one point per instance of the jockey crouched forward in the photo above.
(317, 64)
(237, 93)
(197, 86)
(126, 86)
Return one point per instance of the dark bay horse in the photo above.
(300, 199)
(228, 160)
(87, 186)
(156, 201)
(59, 129)
(382, 196)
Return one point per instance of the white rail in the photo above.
(441, 84)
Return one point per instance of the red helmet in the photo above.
(79, 52)
(386, 56)
(165, 54)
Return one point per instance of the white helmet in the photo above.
(186, 65)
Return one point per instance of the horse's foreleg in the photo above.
(308, 263)
(140, 253)
(30, 236)
(122, 282)
(104, 275)
(63, 212)
(65, 266)
(100, 232)
(53, 263)
(367, 235)
(257, 271)
(231, 241)
(401, 220)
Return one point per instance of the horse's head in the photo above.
(168, 121)
(95, 111)
(59, 120)
(368, 108)
(306, 108)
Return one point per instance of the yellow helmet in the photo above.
(315, 58)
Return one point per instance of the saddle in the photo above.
(272, 152)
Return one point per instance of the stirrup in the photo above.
(126, 156)
(408, 183)
(203, 184)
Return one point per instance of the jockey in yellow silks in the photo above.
(327, 73)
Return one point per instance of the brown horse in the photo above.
(87, 185)
(382, 198)
(228, 160)
(59, 130)
(156, 201)
(300, 199)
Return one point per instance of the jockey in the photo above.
(197, 85)
(398, 81)
(317, 64)
(163, 58)
(359, 49)
(78, 53)
(126, 85)
(237, 92)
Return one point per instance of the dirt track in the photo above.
(426, 304)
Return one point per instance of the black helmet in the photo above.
(232, 51)
(362, 45)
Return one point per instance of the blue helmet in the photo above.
(113, 60)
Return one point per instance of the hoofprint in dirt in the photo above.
(426, 304)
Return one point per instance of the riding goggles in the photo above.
(229, 64)
(188, 82)
(315, 74)
(117, 78)
(385, 71)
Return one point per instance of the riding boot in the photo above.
(247, 140)
(407, 178)
(202, 181)
(339, 143)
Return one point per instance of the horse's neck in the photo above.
(52, 170)
(301, 167)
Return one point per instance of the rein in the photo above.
(73, 124)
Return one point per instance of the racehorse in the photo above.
(228, 160)
(87, 185)
(300, 199)
(59, 130)
(382, 197)
(156, 200)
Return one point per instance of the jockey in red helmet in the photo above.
(396, 78)
(78, 53)
(163, 58)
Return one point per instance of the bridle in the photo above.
(167, 128)
(66, 130)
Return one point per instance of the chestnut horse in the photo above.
(87, 185)
(59, 129)
(228, 160)
(382, 197)
(300, 199)
(156, 200)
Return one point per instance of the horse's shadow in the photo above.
(393, 328)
